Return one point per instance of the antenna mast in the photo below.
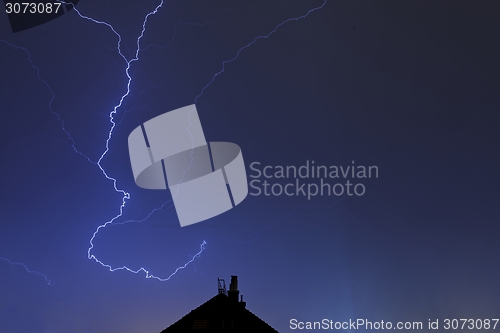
(222, 286)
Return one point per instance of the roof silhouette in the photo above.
(222, 312)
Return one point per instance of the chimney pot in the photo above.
(233, 289)
(234, 283)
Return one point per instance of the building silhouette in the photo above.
(224, 312)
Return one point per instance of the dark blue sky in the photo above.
(409, 87)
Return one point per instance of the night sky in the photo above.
(409, 87)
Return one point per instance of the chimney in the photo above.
(233, 292)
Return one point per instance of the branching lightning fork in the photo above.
(68, 135)
(53, 96)
(225, 62)
(126, 195)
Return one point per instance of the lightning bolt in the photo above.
(226, 62)
(184, 23)
(147, 216)
(30, 271)
(126, 195)
(53, 96)
(63, 127)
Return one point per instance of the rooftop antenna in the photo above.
(222, 286)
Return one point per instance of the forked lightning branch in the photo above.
(310, 180)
